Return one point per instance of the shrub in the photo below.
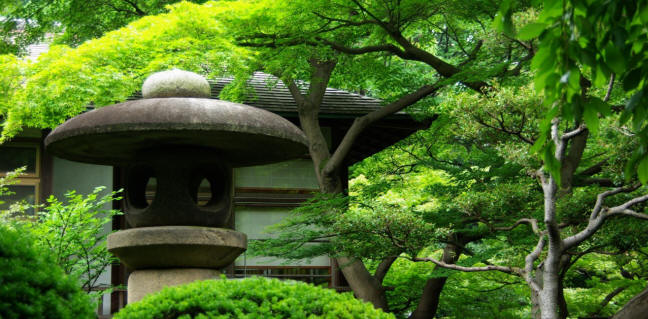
(249, 298)
(32, 286)
(74, 231)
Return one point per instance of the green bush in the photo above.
(249, 298)
(32, 285)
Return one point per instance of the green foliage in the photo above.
(64, 81)
(407, 279)
(74, 231)
(32, 285)
(69, 22)
(249, 298)
(10, 80)
(368, 230)
(491, 295)
(593, 279)
(8, 179)
(583, 47)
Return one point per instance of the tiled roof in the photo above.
(271, 94)
(34, 50)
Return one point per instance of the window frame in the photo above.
(29, 178)
(266, 272)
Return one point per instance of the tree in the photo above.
(70, 22)
(578, 40)
(343, 35)
(74, 232)
(486, 193)
(65, 81)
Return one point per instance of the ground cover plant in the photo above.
(249, 298)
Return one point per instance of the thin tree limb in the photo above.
(504, 269)
(600, 213)
(529, 221)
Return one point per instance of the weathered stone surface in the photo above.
(177, 247)
(144, 282)
(115, 135)
(175, 83)
(178, 173)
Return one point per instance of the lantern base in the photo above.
(173, 255)
(144, 282)
(177, 247)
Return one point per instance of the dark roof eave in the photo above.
(396, 116)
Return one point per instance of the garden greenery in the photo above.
(249, 298)
(72, 230)
(32, 285)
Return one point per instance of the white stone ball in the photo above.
(175, 83)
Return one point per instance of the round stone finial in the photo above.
(175, 83)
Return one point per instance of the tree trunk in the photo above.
(549, 294)
(563, 312)
(535, 296)
(535, 305)
(637, 307)
(328, 166)
(429, 302)
(363, 284)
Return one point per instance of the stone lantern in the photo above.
(180, 137)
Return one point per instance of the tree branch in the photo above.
(610, 87)
(625, 207)
(345, 22)
(600, 198)
(473, 54)
(530, 221)
(504, 269)
(594, 169)
(295, 91)
(383, 268)
(631, 213)
(360, 123)
(573, 133)
(365, 10)
(368, 49)
(607, 300)
(600, 213)
(502, 128)
(528, 264)
(138, 10)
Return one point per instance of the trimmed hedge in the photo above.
(249, 298)
(33, 286)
